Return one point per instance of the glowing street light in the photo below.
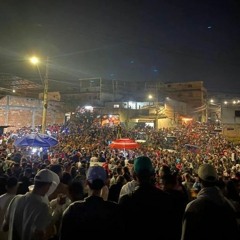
(155, 97)
(35, 61)
(150, 96)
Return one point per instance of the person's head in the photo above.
(43, 181)
(57, 168)
(76, 190)
(96, 177)
(164, 170)
(28, 172)
(169, 181)
(66, 178)
(121, 180)
(207, 175)
(12, 185)
(143, 169)
(119, 170)
(67, 166)
(126, 170)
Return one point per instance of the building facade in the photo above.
(18, 112)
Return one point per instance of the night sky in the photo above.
(125, 40)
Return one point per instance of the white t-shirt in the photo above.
(94, 159)
(128, 188)
(4, 201)
(26, 214)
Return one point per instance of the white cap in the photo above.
(207, 172)
(44, 175)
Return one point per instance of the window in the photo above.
(237, 113)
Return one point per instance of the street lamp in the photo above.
(150, 97)
(35, 61)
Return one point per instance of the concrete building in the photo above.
(171, 102)
(194, 94)
(230, 119)
(98, 91)
(169, 113)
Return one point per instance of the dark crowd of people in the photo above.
(179, 184)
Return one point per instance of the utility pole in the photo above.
(157, 107)
(45, 99)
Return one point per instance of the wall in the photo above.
(228, 115)
(20, 112)
(192, 93)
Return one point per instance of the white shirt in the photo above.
(4, 201)
(94, 159)
(26, 214)
(128, 188)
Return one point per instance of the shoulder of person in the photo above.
(204, 204)
(16, 198)
(77, 203)
(74, 206)
(111, 203)
(196, 205)
(125, 198)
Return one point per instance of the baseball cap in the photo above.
(44, 175)
(48, 176)
(143, 164)
(96, 172)
(207, 172)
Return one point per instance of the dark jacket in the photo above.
(210, 217)
(150, 212)
(92, 215)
